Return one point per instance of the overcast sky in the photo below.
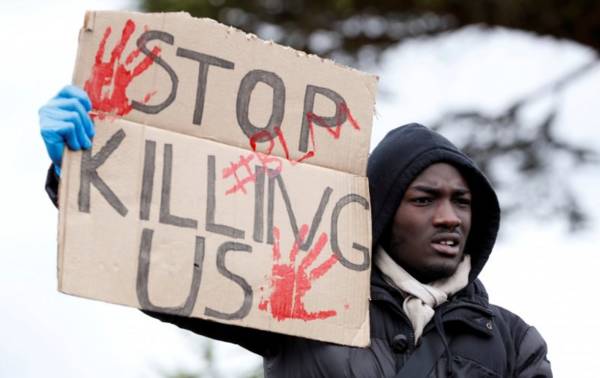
(539, 271)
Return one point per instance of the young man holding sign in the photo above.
(435, 219)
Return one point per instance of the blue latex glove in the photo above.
(65, 119)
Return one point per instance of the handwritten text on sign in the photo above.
(112, 74)
(289, 282)
(226, 181)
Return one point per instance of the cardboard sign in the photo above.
(226, 180)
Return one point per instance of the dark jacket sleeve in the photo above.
(260, 342)
(531, 356)
(52, 181)
(526, 348)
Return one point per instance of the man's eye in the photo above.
(421, 200)
(464, 201)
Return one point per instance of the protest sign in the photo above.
(226, 180)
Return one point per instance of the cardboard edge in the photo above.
(362, 338)
(248, 36)
(142, 136)
(89, 20)
(63, 187)
(88, 25)
(243, 150)
(362, 334)
(371, 87)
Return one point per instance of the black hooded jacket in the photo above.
(483, 340)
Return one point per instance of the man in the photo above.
(435, 220)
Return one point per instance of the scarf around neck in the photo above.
(420, 300)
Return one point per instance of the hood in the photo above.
(401, 156)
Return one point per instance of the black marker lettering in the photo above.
(144, 272)
(211, 204)
(165, 198)
(89, 175)
(275, 177)
(146, 37)
(247, 85)
(343, 202)
(147, 179)
(259, 199)
(204, 62)
(338, 118)
(247, 289)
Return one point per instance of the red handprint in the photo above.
(115, 73)
(289, 284)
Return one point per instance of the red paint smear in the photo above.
(290, 285)
(273, 164)
(263, 305)
(107, 85)
(266, 161)
(265, 157)
(307, 155)
(233, 169)
(351, 118)
(337, 130)
(264, 134)
(148, 96)
(256, 137)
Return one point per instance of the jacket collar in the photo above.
(468, 308)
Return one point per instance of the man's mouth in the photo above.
(446, 244)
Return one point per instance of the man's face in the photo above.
(431, 225)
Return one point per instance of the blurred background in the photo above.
(515, 84)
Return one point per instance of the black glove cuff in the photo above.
(52, 180)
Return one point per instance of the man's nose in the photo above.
(446, 216)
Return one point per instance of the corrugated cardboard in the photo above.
(217, 214)
(236, 74)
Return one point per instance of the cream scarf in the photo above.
(421, 299)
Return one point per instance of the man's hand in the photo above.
(65, 120)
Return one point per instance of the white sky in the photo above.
(538, 271)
